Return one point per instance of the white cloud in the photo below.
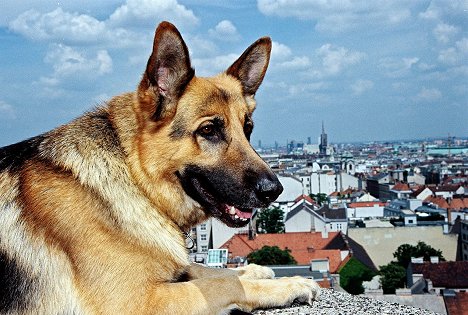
(339, 16)
(305, 88)
(213, 65)
(428, 95)
(68, 62)
(146, 12)
(280, 51)
(282, 58)
(361, 86)
(442, 9)
(443, 32)
(336, 59)
(66, 27)
(7, 111)
(295, 63)
(225, 30)
(71, 27)
(396, 68)
(455, 55)
(57, 24)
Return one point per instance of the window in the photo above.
(203, 227)
(204, 248)
(410, 221)
(202, 237)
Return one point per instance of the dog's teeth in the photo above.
(232, 210)
(236, 216)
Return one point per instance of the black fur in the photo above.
(182, 277)
(12, 157)
(15, 286)
(239, 312)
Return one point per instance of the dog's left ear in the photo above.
(251, 66)
(168, 71)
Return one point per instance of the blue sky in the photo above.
(371, 70)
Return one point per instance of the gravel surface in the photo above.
(337, 303)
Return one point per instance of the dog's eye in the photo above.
(207, 131)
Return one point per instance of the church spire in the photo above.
(323, 142)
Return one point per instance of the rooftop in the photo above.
(445, 274)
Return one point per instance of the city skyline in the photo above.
(378, 71)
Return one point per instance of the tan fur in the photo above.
(95, 220)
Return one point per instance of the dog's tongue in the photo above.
(241, 214)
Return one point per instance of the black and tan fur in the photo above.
(92, 213)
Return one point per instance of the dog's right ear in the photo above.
(167, 73)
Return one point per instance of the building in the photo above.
(323, 146)
(365, 210)
(331, 249)
(403, 209)
(438, 276)
(305, 218)
(325, 180)
(464, 239)
(381, 242)
(377, 186)
(401, 191)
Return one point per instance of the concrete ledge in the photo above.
(332, 302)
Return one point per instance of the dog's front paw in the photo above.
(253, 271)
(302, 290)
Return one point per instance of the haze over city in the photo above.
(375, 70)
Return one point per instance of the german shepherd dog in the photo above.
(92, 213)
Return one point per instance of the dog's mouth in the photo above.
(231, 213)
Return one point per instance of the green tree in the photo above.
(393, 276)
(319, 198)
(404, 253)
(353, 274)
(394, 273)
(270, 220)
(271, 255)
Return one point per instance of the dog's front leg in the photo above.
(221, 294)
(251, 271)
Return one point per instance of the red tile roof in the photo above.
(439, 201)
(401, 187)
(304, 246)
(366, 204)
(306, 198)
(445, 274)
(447, 188)
(458, 304)
(458, 203)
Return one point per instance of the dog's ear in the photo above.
(251, 66)
(168, 70)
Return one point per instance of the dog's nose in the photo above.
(268, 188)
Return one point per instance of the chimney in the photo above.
(252, 233)
(417, 260)
(324, 232)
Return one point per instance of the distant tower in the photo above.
(449, 145)
(323, 142)
(309, 140)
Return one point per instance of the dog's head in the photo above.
(193, 138)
